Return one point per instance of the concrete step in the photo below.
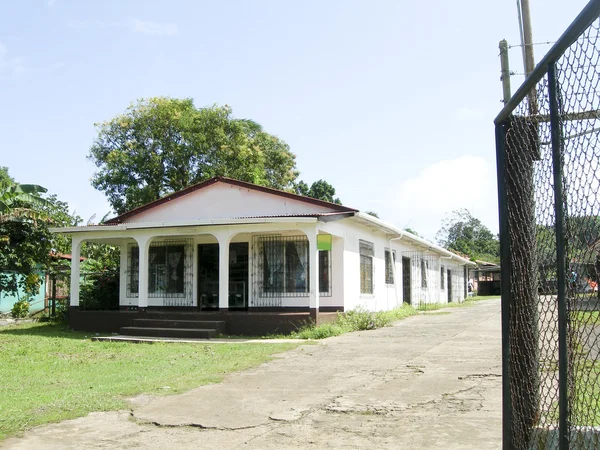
(194, 333)
(218, 325)
(182, 315)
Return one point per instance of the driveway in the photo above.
(430, 381)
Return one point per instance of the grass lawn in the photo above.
(49, 373)
(470, 301)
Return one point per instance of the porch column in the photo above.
(75, 269)
(313, 276)
(224, 241)
(144, 247)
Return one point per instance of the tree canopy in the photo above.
(321, 190)
(463, 233)
(161, 145)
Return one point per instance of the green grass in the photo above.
(470, 301)
(49, 374)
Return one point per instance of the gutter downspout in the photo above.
(394, 267)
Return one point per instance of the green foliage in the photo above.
(410, 230)
(320, 190)
(372, 213)
(25, 239)
(464, 234)
(358, 319)
(161, 145)
(100, 292)
(20, 309)
(50, 373)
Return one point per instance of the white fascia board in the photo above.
(186, 223)
(388, 228)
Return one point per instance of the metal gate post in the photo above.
(505, 289)
(559, 208)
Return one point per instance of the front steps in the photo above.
(175, 325)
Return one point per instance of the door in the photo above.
(449, 286)
(208, 276)
(238, 275)
(406, 281)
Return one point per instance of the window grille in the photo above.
(170, 271)
(389, 269)
(424, 273)
(367, 251)
(424, 268)
(282, 269)
(442, 284)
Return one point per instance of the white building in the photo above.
(233, 248)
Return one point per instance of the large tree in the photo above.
(463, 233)
(161, 145)
(321, 190)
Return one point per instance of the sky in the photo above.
(392, 102)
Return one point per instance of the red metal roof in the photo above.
(231, 181)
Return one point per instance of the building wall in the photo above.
(36, 303)
(226, 201)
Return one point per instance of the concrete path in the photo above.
(430, 381)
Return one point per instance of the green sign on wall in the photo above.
(324, 241)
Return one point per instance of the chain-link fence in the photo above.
(548, 156)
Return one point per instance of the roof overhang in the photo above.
(183, 224)
(374, 222)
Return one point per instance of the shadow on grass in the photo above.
(43, 329)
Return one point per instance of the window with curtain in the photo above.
(165, 270)
(367, 252)
(285, 267)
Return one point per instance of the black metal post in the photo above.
(53, 295)
(559, 207)
(505, 286)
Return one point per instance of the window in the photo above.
(389, 268)
(367, 252)
(424, 269)
(285, 267)
(442, 278)
(165, 270)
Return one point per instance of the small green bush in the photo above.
(358, 319)
(20, 309)
(101, 292)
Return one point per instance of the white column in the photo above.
(144, 247)
(313, 264)
(224, 271)
(75, 269)
(123, 258)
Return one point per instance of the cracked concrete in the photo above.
(429, 381)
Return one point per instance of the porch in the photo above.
(271, 277)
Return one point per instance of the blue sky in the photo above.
(392, 102)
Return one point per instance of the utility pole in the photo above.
(505, 70)
(529, 60)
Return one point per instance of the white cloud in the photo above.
(421, 202)
(153, 28)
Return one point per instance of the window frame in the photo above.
(367, 267)
(389, 266)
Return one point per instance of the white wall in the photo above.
(220, 201)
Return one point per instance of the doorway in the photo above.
(406, 281)
(208, 276)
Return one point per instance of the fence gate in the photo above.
(548, 158)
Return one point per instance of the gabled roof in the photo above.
(230, 181)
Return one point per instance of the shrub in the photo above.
(100, 293)
(20, 309)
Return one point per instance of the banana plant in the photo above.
(17, 201)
